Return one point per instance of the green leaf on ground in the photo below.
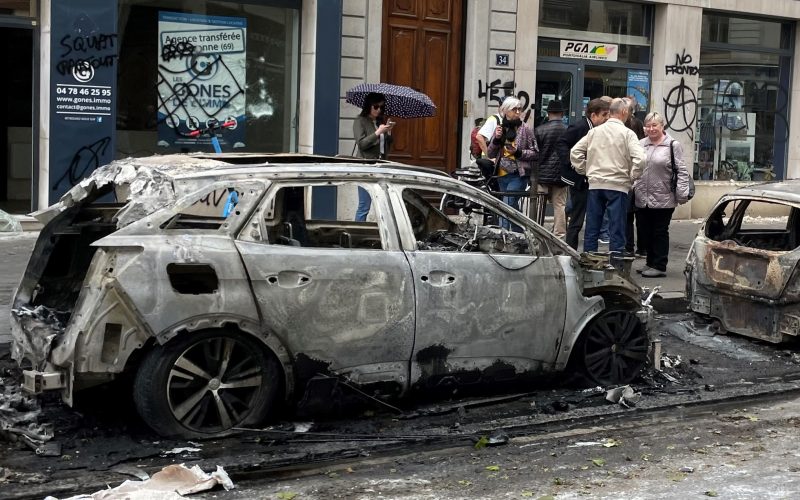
(464, 482)
(710, 493)
(482, 442)
(493, 468)
(598, 462)
(610, 443)
(286, 495)
(526, 493)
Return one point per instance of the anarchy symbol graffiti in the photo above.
(680, 109)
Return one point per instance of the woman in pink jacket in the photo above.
(655, 197)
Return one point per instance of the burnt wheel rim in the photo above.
(615, 348)
(214, 384)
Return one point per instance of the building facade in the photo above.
(96, 80)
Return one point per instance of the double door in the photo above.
(575, 84)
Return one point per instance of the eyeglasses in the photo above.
(516, 110)
(378, 106)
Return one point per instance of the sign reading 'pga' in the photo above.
(577, 49)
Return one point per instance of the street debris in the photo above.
(180, 451)
(40, 327)
(8, 224)
(170, 483)
(497, 438)
(20, 419)
(624, 395)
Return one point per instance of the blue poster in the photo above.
(639, 87)
(201, 80)
(83, 109)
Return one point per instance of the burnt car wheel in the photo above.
(206, 383)
(613, 348)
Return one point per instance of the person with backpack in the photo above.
(475, 150)
(664, 184)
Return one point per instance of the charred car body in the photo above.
(742, 268)
(225, 290)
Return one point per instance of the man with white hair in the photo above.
(612, 158)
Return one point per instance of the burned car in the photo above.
(742, 269)
(229, 286)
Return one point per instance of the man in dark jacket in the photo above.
(550, 184)
(596, 114)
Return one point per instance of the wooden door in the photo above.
(421, 48)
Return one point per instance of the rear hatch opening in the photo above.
(58, 265)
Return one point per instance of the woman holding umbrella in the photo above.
(373, 138)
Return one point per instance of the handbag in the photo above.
(674, 178)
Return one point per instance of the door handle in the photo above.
(289, 279)
(438, 278)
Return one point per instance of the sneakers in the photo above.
(640, 255)
(653, 273)
(643, 269)
(602, 241)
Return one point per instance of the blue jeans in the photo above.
(604, 228)
(364, 204)
(511, 182)
(600, 202)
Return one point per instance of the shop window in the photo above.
(742, 125)
(183, 65)
(596, 16)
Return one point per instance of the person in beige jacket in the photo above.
(612, 158)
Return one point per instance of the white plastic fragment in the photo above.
(624, 395)
(172, 482)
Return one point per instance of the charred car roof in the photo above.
(788, 191)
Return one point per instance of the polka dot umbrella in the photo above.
(401, 101)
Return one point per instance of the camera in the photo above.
(509, 130)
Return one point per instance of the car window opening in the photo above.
(736, 221)
(209, 212)
(473, 228)
(290, 219)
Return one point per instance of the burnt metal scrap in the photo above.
(475, 239)
(40, 326)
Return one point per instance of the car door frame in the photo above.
(310, 353)
(435, 358)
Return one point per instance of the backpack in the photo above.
(474, 147)
(674, 178)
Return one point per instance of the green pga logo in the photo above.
(576, 49)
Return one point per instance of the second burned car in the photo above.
(227, 286)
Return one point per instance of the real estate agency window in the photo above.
(743, 99)
(183, 65)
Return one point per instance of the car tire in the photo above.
(205, 383)
(613, 348)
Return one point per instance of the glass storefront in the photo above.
(592, 48)
(185, 65)
(743, 99)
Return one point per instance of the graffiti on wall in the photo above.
(680, 109)
(683, 65)
(495, 91)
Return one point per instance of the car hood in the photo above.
(145, 185)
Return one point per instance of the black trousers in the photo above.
(577, 215)
(652, 224)
(630, 234)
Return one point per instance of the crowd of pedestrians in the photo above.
(609, 168)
